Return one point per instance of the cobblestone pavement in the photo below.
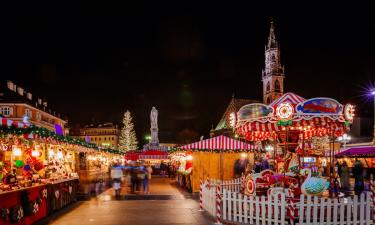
(177, 208)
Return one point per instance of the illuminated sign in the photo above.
(284, 111)
(320, 106)
(254, 111)
(349, 112)
(58, 130)
(309, 159)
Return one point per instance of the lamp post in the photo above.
(344, 139)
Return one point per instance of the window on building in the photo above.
(268, 86)
(38, 116)
(268, 100)
(277, 86)
(113, 138)
(105, 139)
(6, 111)
(28, 113)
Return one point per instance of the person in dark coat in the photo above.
(359, 185)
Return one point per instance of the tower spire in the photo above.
(272, 43)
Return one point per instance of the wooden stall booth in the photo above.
(218, 157)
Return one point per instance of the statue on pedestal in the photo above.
(154, 126)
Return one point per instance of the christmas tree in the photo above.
(128, 139)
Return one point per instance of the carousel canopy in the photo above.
(360, 152)
(314, 117)
(218, 143)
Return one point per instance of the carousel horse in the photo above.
(313, 185)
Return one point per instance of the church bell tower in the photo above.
(273, 73)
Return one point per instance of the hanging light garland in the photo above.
(45, 133)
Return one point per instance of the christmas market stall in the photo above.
(365, 154)
(151, 157)
(218, 158)
(297, 129)
(38, 171)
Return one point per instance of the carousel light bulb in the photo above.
(60, 155)
(243, 155)
(16, 151)
(51, 153)
(189, 157)
(35, 153)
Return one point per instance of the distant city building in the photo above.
(104, 135)
(16, 103)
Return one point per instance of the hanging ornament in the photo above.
(19, 163)
(27, 167)
(38, 165)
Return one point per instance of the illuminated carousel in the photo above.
(299, 127)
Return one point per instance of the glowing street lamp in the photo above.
(148, 137)
(344, 139)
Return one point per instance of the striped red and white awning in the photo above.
(288, 97)
(153, 156)
(219, 143)
(7, 122)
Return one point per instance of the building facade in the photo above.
(16, 103)
(104, 135)
(273, 73)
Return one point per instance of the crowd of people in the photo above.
(345, 173)
(137, 176)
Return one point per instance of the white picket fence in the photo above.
(209, 192)
(275, 209)
(253, 210)
(317, 210)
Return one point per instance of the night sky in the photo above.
(92, 62)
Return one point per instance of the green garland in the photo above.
(45, 133)
(284, 123)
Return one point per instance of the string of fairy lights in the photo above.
(42, 132)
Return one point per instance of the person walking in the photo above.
(358, 177)
(133, 179)
(116, 175)
(344, 177)
(146, 180)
